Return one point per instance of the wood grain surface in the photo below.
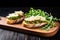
(11, 35)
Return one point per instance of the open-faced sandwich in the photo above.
(15, 17)
(39, 19)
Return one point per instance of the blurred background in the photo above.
(47, 5)
(29, 3)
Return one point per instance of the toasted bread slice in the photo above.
(33, 25)
(14, 21)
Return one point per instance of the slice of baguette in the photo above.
(14, 21)
(33, 25)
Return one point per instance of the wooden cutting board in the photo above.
(38, 31)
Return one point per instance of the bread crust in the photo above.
(33, 25)
(9, 21)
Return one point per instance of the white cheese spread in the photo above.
(33, 18)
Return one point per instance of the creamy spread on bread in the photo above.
(33, 18)
(15, 15)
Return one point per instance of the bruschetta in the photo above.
(15, 17)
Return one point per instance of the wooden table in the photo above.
(12, 35)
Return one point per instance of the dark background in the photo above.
(28, 3)
(52, 6)
(55, 11)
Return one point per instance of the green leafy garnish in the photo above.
(48, 16)
(14, 17)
